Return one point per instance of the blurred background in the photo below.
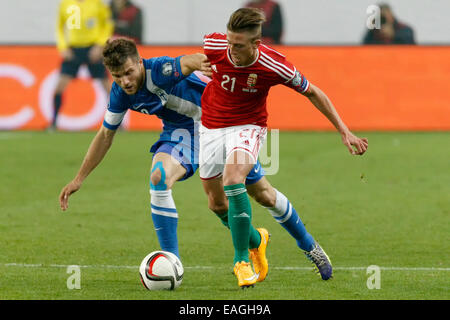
(377, 75)
(174, 22)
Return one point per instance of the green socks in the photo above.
(255, 237)
(239, 221)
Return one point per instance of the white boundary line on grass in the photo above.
(41, 265)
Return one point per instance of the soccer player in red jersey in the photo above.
(234, 126)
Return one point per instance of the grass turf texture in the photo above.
(388, 208)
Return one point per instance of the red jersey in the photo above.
(237, 94)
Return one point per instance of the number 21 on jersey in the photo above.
(225, 83)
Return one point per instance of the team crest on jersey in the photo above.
(214, 67)
(251, 83)
(167, 69)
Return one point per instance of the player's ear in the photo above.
(141, 62)
(257, 43)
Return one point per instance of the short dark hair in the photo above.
(247, 19)
(383, 5)
(116, 52)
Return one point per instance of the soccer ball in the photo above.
(161, 270)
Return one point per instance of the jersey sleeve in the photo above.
(166, 71)
(117, 108)
(214, 44)
(283, 71)
(298, 81)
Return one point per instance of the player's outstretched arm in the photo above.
(355, 145)
(96, 152)
(197, 61)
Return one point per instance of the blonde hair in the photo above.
(247, 20)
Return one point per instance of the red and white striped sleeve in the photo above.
(214, 42)
(288, 74)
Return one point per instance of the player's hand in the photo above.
(356, 146)
(205, 67)
(67, 54)
(95, 53)
(72, 187)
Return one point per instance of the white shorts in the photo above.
(216, 145)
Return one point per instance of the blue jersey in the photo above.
(166, 93)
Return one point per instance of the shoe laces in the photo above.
(317, 256)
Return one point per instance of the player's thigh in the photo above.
(263, 192)
(237, 167)
(165, 171)
(243, 144)
(247, 139)
(212, 152)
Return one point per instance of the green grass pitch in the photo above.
(388, 208)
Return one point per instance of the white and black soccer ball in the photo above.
(161, 270)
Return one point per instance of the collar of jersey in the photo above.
(236, 66)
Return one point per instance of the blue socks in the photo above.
(165, 219)
(285, 214)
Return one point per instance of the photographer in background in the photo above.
(391, 30)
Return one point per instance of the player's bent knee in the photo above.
(158, 177)
(155, 177)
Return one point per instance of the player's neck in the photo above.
(247, 62)
(252, 59)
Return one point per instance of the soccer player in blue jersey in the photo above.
(168, 88)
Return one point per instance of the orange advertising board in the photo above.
(373, 88)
